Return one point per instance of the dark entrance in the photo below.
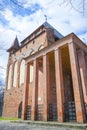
(20, 110)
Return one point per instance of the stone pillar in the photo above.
(34, 90)
(78, 95)
(59, 85)
(83, 72)
(46, 85)
(26, 89)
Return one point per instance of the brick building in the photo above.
(47, 77)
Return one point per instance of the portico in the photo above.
(55, 68)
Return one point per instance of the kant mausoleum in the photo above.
(47, 77)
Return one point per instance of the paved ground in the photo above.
(7, 125)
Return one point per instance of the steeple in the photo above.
(15, 46)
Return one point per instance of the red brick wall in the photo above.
(12, 99)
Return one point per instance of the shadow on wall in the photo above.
(1, 100)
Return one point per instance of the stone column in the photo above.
(46, 85)
(26, 89)
(59, 85)
(83, 72)
(78, 95)
(34, 90)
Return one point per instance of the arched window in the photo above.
(15, 75)
(31, 73)
(22, 72)
(9, 77)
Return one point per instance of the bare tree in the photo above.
(2, 48)
(77, 5)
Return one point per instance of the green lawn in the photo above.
(5, 118)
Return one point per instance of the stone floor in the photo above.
(7, 125)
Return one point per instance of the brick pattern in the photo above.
(59, 86)
(12, 99)
(79, 102)
(83, 72)
(28, 112)
(39, 112)
(70, 112)
(48, 102)
(53, 112)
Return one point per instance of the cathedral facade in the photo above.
(47, 77)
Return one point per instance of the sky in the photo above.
(20, 18)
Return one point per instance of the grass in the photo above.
(11, 119)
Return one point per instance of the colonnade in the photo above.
(78, 69)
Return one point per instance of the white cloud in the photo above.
(63, 18)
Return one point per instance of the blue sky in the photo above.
(24, 19)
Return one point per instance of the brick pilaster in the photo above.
(77, 88)
(18, 74)
(34, 90)
(46, 85)
(59, 86)
(83, 72)
(26, 89)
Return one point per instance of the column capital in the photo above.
(34, 59)
(56, 49)
(44, 54)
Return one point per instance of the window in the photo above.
(9, 77)
(15, 75)
(22, 72)
(31, 73)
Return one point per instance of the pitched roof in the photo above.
(56, 33)
(46, 25)
(14, 46)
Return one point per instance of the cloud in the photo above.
(17, 21)
(2, 80)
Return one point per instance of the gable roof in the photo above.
(46, 25)
(56, 33)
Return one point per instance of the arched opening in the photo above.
(15, 75)
(9, 77)
(20, 110)
(22, 72)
